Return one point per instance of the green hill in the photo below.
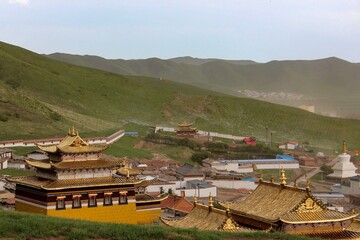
(326, 83)
(16, 225)
(43, 97)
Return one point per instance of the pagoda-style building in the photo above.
(76, 182)
(290, 209)
(280, 207)
(185, 129)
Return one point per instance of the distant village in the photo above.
(232, 184)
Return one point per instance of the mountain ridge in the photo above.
(324, 80)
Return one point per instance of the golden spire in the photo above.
(261, 176)
(69, 132)
(272, 178)
(73, 131)
(282, 177)
(308, 184)
(211, 202)
(344, 147)
(227, 209)
(195, 201)
(77, 132)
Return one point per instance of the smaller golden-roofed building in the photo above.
(185, 129)
(289, 209)
(76, 182)
(204, 217)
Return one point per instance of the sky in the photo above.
(259, 30)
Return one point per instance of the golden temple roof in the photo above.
(72, 165)
(336, 235)
(315, 217)
(128, 171)
(73, 183)
(271, 202)
(145, 198)
(185, 124)
(203, 219)
(73, 143)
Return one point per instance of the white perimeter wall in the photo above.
(233, 184)
(278, 166)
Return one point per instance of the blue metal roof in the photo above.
(284, 157)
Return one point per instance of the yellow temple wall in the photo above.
(148, 216)
(125, 213)
(23, 207)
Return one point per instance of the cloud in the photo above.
(21, 2)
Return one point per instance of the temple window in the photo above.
(76, 201)
(60, 203)
(123, 197)
(107, 199)
(141, 190)
(92, 200)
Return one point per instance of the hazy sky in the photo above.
(259, 30)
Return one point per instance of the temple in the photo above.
(205, 217)
(343, 168)
(279, 207)
(185, 130)
(76, 182)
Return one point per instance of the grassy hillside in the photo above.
(16, 225)
(326, 83)
(43, 97)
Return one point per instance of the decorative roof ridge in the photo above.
(230, 225)
(157, 198)
(268, 183)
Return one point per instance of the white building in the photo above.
(352, 187)
(343, 168)
(248, 165)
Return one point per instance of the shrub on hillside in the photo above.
(199, 156)
(4, 118)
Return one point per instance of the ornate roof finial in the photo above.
(227, 209)
(344, 147)
(69, 132)
(261, 177)
(211, 202)
(272, 178)
(308, 184)
(295, 183)
(195, 201)
(77, 132)
(282, 177)
(73, 131)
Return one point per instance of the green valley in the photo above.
(41, 97)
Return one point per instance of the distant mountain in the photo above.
(41, 97)
(199, 61)
(316, 82)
